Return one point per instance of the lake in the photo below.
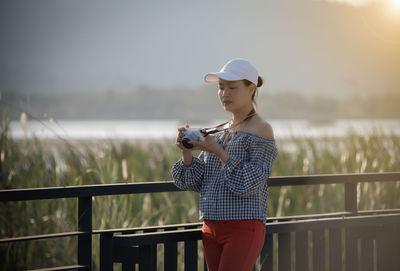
(166, 129)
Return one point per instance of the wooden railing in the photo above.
(369, 239)
(360, 242)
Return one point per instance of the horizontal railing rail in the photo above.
(68, 267)
(86, 192)
(188, 225)
(277, 227)
(168, 186)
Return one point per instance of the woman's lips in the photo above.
(226, 102)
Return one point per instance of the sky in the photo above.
(333, 47)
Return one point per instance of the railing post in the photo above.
(85, 224)
(106, 252)
(171, 254)
(267, 253)
(350, 197)
(284, 257)
(190, 254)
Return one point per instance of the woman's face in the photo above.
(234, 95)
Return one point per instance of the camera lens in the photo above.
(185, 142)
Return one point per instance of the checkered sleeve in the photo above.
(244, 178)
(189, 177)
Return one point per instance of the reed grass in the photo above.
(45, 163)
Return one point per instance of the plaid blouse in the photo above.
(236, 190)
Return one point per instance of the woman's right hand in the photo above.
(179, 139)
(186, 153)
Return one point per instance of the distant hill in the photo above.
(193, 105)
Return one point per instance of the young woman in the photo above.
(231, 172)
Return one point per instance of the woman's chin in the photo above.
(228, 107)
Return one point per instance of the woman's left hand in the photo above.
(210, 145)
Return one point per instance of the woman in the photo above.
(231, 172)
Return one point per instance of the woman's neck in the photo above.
(241, 114)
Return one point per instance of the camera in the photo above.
(192, 134)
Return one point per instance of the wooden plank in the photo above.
(151, 228)
(85, 191)
(335, 250)
(382, 250)
(266, 255)
(171, 256)
(388, 248)
(85, 224)
(125, 254)
(333, 178)
(106, 252)
(128, 265)
(301, 252)
(395, 229)
(351, 259)
(318, 240)
(157, 237)
(42, 236)
(190, 255)
(69, 267)
(168, 186)
(330, 223)
(129, 256)
(148, 258)
(171, 252)
(367, 254)
(269, 220)
(284, 257)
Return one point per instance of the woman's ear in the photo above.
(252, 89)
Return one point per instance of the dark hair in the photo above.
(260, 83)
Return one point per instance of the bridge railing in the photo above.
(85, 231)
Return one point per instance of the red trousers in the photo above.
(232, 244)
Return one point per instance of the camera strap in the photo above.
(216, 129)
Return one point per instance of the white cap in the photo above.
(235, 69)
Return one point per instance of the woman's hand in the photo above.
(186, 153)
(210, 145)
(179, 139)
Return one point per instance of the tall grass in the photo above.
(42, 163)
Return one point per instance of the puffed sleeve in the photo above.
(245, 178)
(189, 177)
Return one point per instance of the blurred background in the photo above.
(92, 93)
(145, 60)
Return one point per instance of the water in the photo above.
(166, 129)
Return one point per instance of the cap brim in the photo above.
(214, 77)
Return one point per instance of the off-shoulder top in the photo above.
(236, 190)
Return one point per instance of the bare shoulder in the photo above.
(261, 127)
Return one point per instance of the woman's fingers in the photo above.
(180, 129)
(198, 145)
(180, 136)
(180, 132)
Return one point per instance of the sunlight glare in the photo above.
(396, 5)
(393, 8)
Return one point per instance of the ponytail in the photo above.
(260, 83)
